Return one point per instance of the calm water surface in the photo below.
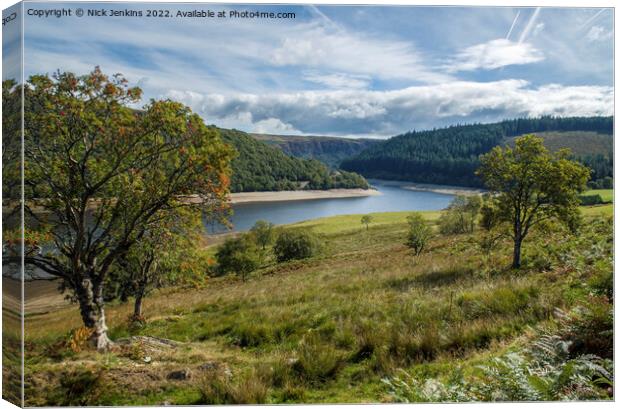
(393, 199)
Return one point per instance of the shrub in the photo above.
(238, 256)
(218, 388)
(460, 216)
(263, 233)
(590, 200)
(295, 245)
(549, 368)
(366, 220)
(78, 387)
(317, 362)
(419, 233)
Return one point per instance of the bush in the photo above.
(295, 245)
(78, 387)
(590, 200)
(460, 216)
(317, 361)
(419, 233)
(238, 256)
(263, 233)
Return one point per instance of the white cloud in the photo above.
(330, 48)
(495, 54)
(386, 113)
(598, 33)
(274, 126)
(339, 80)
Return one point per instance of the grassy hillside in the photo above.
(260, 167)
(450, 155)
(329, 150)
(581, 143)
(330, 328)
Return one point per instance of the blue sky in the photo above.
(355, 71)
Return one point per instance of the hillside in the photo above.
(330, 150)
(332, 328)
(450, 155)
(260, 167)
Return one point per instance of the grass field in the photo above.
(606, 194)
(325, 329)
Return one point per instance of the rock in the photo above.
(181, 375)
(210, 366)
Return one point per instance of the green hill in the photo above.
(260, 167)
(332, 328)
(330, 150)
(450, 155)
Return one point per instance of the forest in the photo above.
(259, 167)
(451, 155)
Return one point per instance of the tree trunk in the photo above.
(516, 255)
(137, 307)
(90, 297)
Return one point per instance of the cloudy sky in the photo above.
(345, 70)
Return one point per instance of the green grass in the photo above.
(606, 194)
(598, 210)
(352, 223)
(329, 328)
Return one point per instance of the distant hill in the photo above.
(261, 167)
(581, 143)
(450, 155)
(330, 150)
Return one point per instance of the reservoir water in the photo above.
(392, 199)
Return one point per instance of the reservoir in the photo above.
(392, 199)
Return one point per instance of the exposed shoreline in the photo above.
(290, 195)
(429, 187)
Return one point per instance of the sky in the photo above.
(353, 71)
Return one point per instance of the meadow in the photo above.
(343, 326)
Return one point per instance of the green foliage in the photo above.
(327, 149)
(460, 216)
(295, 245)
(606, 182)
(263, 233)
(418, 233)
(167, 254)
(366, 220)
(260, 167)
(590, 200)
(317, 361)
(545, 370)
(532, 185)
(103, 173)
(238, 256)
(450, 155)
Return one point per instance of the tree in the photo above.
(460, 216)
(366, 219)
(531, 185)
(238, 256)
(105, 174)
(295, 245)
(165, 255)
(263, 233)
(419, 233)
